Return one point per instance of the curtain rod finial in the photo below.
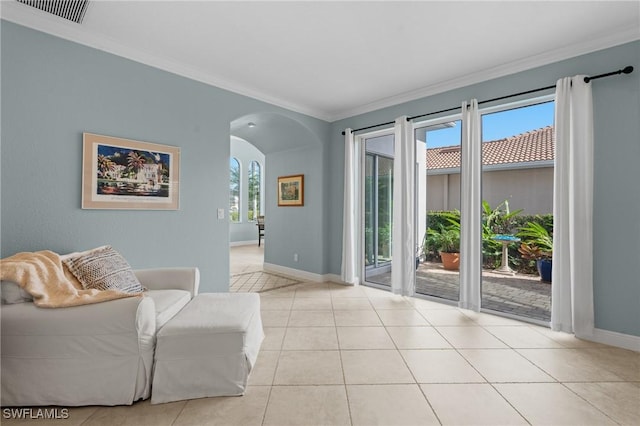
(626, 70)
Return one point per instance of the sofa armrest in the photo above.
(97, 354)
(170, 278)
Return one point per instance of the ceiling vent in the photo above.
(73, 10)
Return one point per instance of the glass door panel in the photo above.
(385, 208)
(517, 191)
(438, 153)
(369, 216)
(378, 209)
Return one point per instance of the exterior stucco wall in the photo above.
(528, 189)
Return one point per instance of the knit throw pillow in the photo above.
(103, 269)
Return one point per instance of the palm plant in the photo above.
(537, 242)
(498, 220)
(537, 245)
(135, 161)
(495, 221)
(444, 234)
(446, 240)
(105, 164)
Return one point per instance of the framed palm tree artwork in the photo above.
(130, 175)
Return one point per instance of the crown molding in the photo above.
(625, 35)
(41, 21)
(47, 23)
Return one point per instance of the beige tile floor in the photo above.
(336, 355)
(247, 274)
(244, 259)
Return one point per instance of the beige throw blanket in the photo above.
(43, 275)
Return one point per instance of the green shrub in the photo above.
(493, 220)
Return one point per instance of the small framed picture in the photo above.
(126, 174)
(291, 191)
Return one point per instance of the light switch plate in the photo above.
(220, 213)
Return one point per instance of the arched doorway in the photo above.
(262, 144)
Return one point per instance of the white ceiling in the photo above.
(336, 59)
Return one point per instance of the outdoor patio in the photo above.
(521, 295)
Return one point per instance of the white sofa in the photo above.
(99, 354)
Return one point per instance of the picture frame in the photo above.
(291, 191)
(129, 175)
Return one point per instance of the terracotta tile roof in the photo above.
(535, 145)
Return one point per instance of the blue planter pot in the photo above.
(544, 269)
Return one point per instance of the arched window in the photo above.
(255, 182)
(234, 190)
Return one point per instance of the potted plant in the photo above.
(446, 241)
(537, 245)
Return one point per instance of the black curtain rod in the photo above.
(371, 127)
(625, 70)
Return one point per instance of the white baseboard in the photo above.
(243, 243)
(303, 275)
(335, 278)
(612, 338)
(295, 273)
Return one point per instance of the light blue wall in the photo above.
(53, 90)
(245, 153)
(616, 175)
(284, 220)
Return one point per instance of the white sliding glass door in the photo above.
(514, 209)
(378, 208)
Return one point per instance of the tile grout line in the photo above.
(433, 410)
(179, 413)
(489, 382)
(275, 370)
(344, 377)
(88, 418)
(587, 401)
(457, 350)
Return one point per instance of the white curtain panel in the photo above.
(403, 243)
(572, 273)
(470, 208)
(349, 271)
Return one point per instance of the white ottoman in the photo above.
(208, 348)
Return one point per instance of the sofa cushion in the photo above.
(13, 293)
(168, 304)
(103, 269)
